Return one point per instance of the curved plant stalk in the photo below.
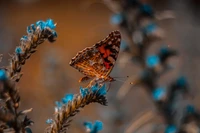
(10, 118)
(37, 34)
(71, 105)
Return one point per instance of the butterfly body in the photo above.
(96, 62)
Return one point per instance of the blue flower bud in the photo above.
(41, 24)
(152, 61)
(94, 88)
(59, 104)
(84, 91)
(28, 29)
(33, 27)
(18, 50)
(49, 121)
(102, 91)
(50, 23)
(150, 28)
(158, 93)
(67, 98)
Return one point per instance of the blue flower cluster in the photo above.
(93, 128)
(94, 89)
(41, 25)
(84, 92)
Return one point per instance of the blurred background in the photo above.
(48, 76)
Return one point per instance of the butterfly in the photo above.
(96, 62)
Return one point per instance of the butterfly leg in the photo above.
(83, 79)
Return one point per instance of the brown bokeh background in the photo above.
(48, 77)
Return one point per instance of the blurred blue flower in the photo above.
(190, 109)
(171, 129)
(147, 9)
(28, 130)
(18, 50)
(181, 81)
(158, 93)
(84, 91)
(3, 75)
(67, 98)
(148, 29)
(94, 128)
(164, 50)
(152, 61)
(41, 24)
(124, 45)
(49, 121)
(117, 18)
(50, 23)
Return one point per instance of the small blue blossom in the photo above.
(147, 9)
(190, 109)
(94, 88)
(102, 91)
(152, 61)
(158, 93)
(54, 33)
(88, 125)
(117, 18)
(181, 81)
(50, 23)
(94, 128)
(24, 38)
(171, 129)
(41, 24)
(150, 28)
(18, 50)
(49, 121)
(33, 27)
(29, 29)
(59, 104)
(3, 75)
(84, 91)
(67, 98)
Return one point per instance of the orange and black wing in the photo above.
(99, 59)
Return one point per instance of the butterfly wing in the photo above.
(99, 59)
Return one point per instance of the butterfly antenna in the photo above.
(122, 77)
(117, 79)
